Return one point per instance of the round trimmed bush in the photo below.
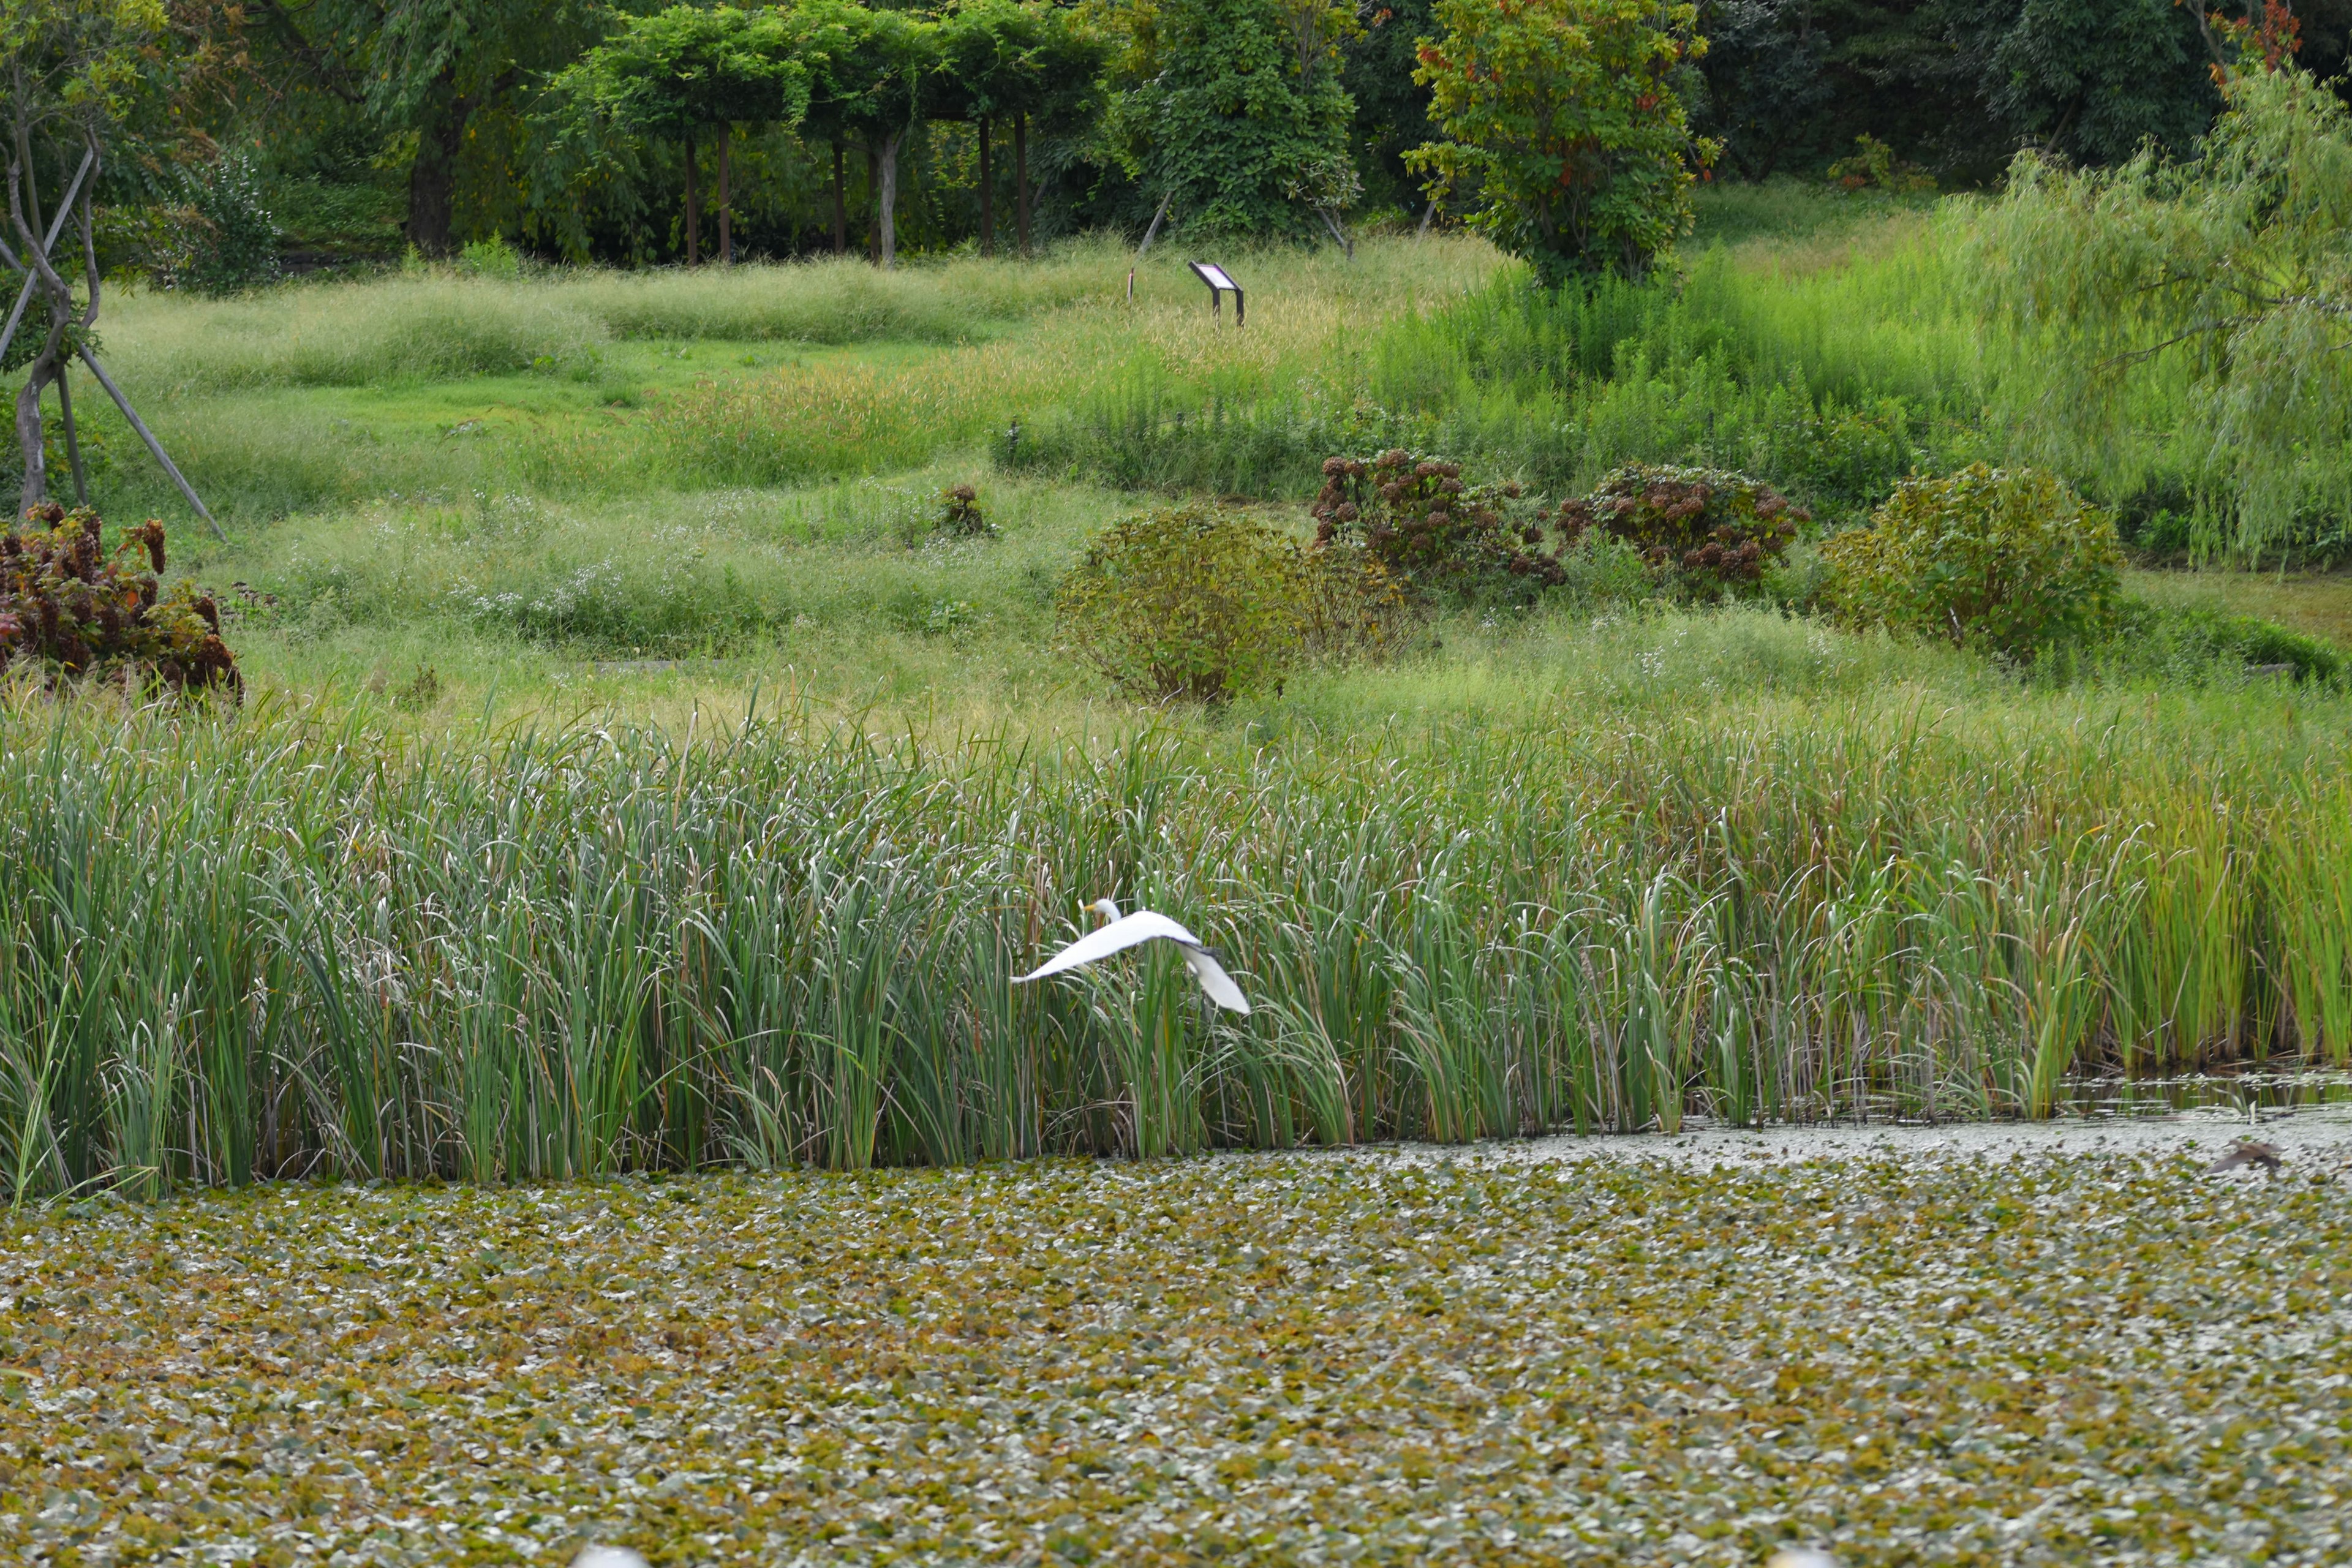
(2007, 560)
(1203, 605)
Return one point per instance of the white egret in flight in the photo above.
(1131, 930)
(594, 1556)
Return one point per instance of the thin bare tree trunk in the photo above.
(24, 207)
(693, 210)
(154, 448)
(51, 363)
(64, 365)
(887, 206)
(873, 190)
(1144, 249)
(32, 185)
(987, 192)
(73, 438)
(1020, 177)
(840, 207)
(726, 227)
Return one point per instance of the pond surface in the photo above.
(2251, 1094)
(2307, 1116)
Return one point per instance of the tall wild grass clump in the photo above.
(1833, 382)
(273, 946)
(434, 325)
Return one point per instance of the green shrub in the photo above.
(221, 240)
(1202, 605)
(491, 257)
(2007, 560)
(1875, 166)
(1702, 531)
(67, 608)
(1692, 532)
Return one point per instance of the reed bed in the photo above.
(266, 945)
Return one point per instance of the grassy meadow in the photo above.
(632, 775)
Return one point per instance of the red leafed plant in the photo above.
(1709, 530)
(1422, 522)
(70, 609)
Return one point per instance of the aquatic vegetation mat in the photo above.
(1358, 1357)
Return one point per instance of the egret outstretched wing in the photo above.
(1215, 981)
(1128, 931)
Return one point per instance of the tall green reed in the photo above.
(267, 945)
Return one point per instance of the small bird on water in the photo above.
(2246, 1151)
(1124, 932)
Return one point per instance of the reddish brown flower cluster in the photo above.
(1701, 532)
(960, 513)
(68, 605)
(1417, 518)
(1718, 530)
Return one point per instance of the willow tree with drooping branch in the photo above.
(2203, 305)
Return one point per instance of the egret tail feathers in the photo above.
(1215, 981)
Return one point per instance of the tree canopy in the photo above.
(684, 68)
(1563, 116)
(1239, 119)
(566, 125)
(2231, 270)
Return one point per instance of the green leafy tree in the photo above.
(870, 76)
(428, 76)
(1003, 62)
(2093, 79)
(1564, 117)
(2227, 276)
(75, 71)
(680, 74)
(1959, 85)
(1239, 120)
(1392, 108)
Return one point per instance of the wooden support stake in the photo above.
(1149, 235)
(153, 445)
(57, 228)
(73, 440)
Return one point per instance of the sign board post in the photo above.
(1220, 285)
